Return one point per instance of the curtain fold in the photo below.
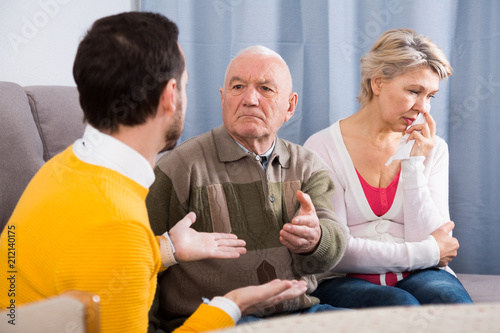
(474, 136)
(322, 41)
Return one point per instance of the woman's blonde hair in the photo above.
(396, 52)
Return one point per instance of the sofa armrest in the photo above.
(478, 318)
(74, 311)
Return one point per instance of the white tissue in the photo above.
(404, 148)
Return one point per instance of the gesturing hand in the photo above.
(253, 298)
(191, 245)
(448, 245)
(304, 233)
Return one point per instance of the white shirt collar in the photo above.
(103, 150)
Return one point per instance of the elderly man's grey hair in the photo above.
(259, 50)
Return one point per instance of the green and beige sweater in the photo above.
(229, 191)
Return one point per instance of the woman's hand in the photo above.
(448, 245)
(424, 136)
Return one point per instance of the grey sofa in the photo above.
(38, 122)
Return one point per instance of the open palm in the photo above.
(191, 245)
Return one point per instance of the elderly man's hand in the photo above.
(304, 233)
(191, 245)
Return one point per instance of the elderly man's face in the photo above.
(256, 98)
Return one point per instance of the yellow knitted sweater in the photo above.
(83, 227)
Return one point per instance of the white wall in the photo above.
(39, 38)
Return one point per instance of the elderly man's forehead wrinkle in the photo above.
(278, 73)
(260, 69)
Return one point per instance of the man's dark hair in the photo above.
(122, 66)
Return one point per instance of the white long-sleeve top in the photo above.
(400, 239)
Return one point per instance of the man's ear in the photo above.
(376, 84)
(292, 105)
(221, 96)
(168, 97)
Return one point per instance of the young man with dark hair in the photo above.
(82, 223)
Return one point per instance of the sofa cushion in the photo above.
(481, 288)
(20, 147)
(58, 116)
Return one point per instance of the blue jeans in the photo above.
(428, 286)
(312, 309)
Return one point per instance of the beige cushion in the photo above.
(464, 318)
(70, 312)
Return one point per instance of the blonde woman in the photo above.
(394, 207)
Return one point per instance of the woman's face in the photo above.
(401, 99)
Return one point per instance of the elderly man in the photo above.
(241, 178)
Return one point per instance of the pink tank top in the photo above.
(380, 199)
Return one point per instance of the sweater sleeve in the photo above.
(206, 318)
(119, 262)
(163, 206)
(332, 244)
(425, 200)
